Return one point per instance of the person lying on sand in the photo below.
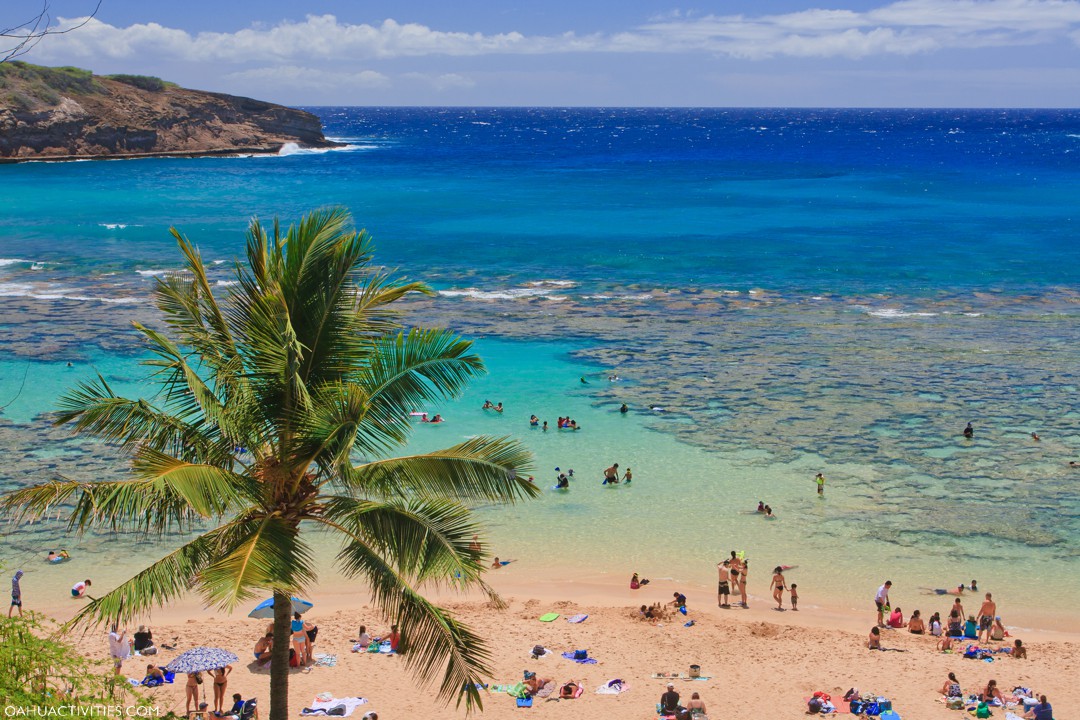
(534, 683)
(1019, 650)
(569, 690)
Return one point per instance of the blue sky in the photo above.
(851, 53)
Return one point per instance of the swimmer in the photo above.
(499, 408)
(534, 421)
(611, 475)
(768, 512)
(1035, 436)
(974, 586)
(437, 419)
(760, 506)
(584, 381)
(544, 428)
(624, 409)
(562, 482)
(424, 418)
(627, 477)
(487, 405)
(1073, 464)
(70, 365)
(573, 425)
(969, 432)
(570, 472)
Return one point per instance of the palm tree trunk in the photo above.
(279, 662)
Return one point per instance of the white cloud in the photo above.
(901, 28)
(306, 78)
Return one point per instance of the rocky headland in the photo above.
(68, 113)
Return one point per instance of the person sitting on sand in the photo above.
(992, 692)
(263, 646)
(143, 641)
(971, 628)
(679, 602)
(534, 683)
(956, 625)
(696, 705)
(1042, 711)
(951, 688)
(945, 644)
(1019, 650)
(874, 641)
(997, 630)
(154, 675)
(935, 625)
(79, 589)
(394, 638)
(915, 625)
(364, 639)
(568, 691)
(896, 618)
(669, 701)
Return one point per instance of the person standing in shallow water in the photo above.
(820, 479)
(969, 432)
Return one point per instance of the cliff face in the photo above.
(59, 113)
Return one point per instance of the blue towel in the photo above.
(584, 661)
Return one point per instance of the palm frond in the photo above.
(431, 636)
(479, 469)
(166, 580)
(256, 553)
(425, 540)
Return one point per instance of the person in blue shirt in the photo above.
(1042, 711)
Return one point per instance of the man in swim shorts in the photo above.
(611, 475)
(881, 599)
(986, 617)
(722, 587)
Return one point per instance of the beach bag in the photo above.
(872, 709)
(538, 651)
(956, 703)
(581, 654)
(983, 711)
(856, 707)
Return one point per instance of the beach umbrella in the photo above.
(201, 659)
(265, 609)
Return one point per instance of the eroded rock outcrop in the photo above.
(63, 113)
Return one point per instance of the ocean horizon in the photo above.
(779, 292)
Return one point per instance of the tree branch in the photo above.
(28, 34)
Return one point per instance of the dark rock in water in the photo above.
(65, 113)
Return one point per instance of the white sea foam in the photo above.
(512, 294)
(113, 226)
(552, 283)
(226, 283)
(4, 262)
(153, 273)
(293, 149)
(55, 292)
(894, 313)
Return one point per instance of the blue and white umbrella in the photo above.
(201, 659)
(265, 609)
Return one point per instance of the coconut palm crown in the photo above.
(279, 405)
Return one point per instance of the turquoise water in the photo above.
(799, 291)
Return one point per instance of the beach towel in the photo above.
(549, 687)
(324, 660)
(612, 687)
(549, 617)
(579, 660)
(514, 690)
(577, 619)
(385, 648)
(334, 707)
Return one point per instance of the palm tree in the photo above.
(278, 405)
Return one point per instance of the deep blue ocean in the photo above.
(799, 290)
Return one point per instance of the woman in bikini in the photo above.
(951, 688)
(778, 585)
(221, 681)
(191, 690)
(299, 637)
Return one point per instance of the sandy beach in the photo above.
(754, 659)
